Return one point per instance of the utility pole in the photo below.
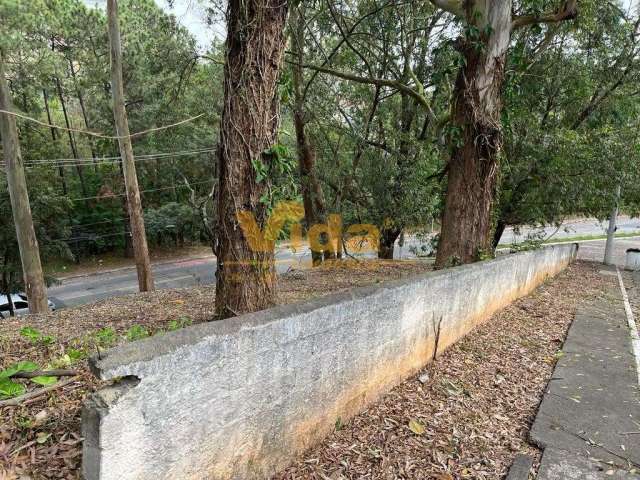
(25, 233)
(139, 239)
(608, 249)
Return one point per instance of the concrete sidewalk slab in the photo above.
(590, 413)
(557, 465)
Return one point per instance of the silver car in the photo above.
(20, 305)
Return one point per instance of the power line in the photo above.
(105, 197)
(101, 160)
(93, 237)
(118, 157)
(97, 134)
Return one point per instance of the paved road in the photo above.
(87, 289)
(573, 228)
(594, 250)
(201, 271)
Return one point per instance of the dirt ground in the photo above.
(464, 416)
(41, 437)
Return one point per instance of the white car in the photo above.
(20, 305)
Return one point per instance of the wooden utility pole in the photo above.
(140, 249)
(27, 242)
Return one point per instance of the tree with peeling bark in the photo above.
(476, 130)
(245, 277)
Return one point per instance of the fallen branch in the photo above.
(46, 373)
(13, 402)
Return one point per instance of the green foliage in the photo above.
(136, 332)
(380, 154)
(482, 255)
(564, 154)
(10, 389)
(173, 224)
(166, 80)
(275, 168)
(36, 337)
(75, 354)
(45, 381)
(105, 337)
(23, 366)
(179, 323)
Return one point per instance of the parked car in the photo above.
(20, 305)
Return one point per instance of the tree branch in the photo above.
(456, 7)
(379, 82)
(46, 373)
(568, 12)
(14, 402)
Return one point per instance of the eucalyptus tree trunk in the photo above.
(477, 106)
(312, 196)
(466, 231)
(245, 277)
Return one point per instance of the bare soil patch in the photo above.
(466, 415)
(41, 438)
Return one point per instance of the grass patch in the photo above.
(583, 238)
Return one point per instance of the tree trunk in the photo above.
(126, 229)
(476, 110)
(72, 142)
(497, 233)
(134, 203)
(388, 237)
(393, 227)
(128, 244)
(312, 196)
(54, 136)
(245, 277)
(85, 116)
(19, 196)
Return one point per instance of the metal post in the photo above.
(608, 249)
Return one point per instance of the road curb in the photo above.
(520, 467)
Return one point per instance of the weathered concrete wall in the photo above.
(239, 398)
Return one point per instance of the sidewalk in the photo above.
(589, 420)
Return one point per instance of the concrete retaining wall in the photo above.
(240, 397)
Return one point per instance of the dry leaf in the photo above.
(416, 427)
